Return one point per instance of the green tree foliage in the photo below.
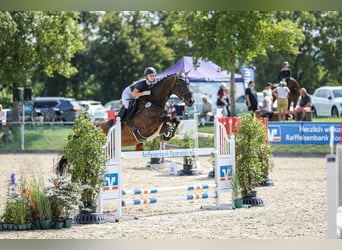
(31, 39)
(225, 37)
(319, 60)
(34, 38)
(127, 43)
(119, 45)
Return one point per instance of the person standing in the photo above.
(267, 105)
(221, 102)
(226, 91)
(268, 87)
(251, 97)
(282, 92)
(2, 117)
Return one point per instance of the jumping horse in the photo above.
(150, 118)
(294, 87)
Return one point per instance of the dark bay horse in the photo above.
(294, 87)
(151, 118)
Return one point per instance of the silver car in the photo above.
(96, 111)
(327, 101)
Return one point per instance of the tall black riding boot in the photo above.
(130, 110)
(122, 113)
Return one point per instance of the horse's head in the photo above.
(182, 89)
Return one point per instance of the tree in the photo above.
(118, 47)
(226, 37)
(126, 43)
(34, 38)
(319, 59)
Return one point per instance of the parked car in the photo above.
(240, 105)
(96, 111)
(113, 105)
(51, 108)
(28, 113)
(327, 102)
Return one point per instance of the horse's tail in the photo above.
(61, 166)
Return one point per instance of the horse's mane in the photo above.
(162, 79)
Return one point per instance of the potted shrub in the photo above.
(187, 142)
(17, 208)
(86, 161)
(153, 145)
(40, 204)
(65, 197)
(253, 154)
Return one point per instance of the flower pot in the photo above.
(155, 160)
(58, 225)
(36, 224)
(68, 223)
(21, 227)
(238, 203)
(45, 224)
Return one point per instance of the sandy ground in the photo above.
(295, 207)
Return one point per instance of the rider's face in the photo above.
(150, 77)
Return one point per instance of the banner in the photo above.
(247, 74)
(303, 133)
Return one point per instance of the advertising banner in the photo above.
(247, 74)
(303, 133)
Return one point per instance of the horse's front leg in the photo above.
(169, 127)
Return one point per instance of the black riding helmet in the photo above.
(149, 71)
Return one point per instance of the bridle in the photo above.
(178, 88)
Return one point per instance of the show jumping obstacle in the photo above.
(113, 191)
(334, 190)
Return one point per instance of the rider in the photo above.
(135, 90)
(285, 73)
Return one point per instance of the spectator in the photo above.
(89, 112)
(221, 102)
(207, 109)
(267, 104)
(226, 91)
(282, 92)
(304, 105)
(251, 97)
(2, 117)
(268, 87)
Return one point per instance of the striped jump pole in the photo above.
(168, 198)
(224, 168)
(163, 189)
